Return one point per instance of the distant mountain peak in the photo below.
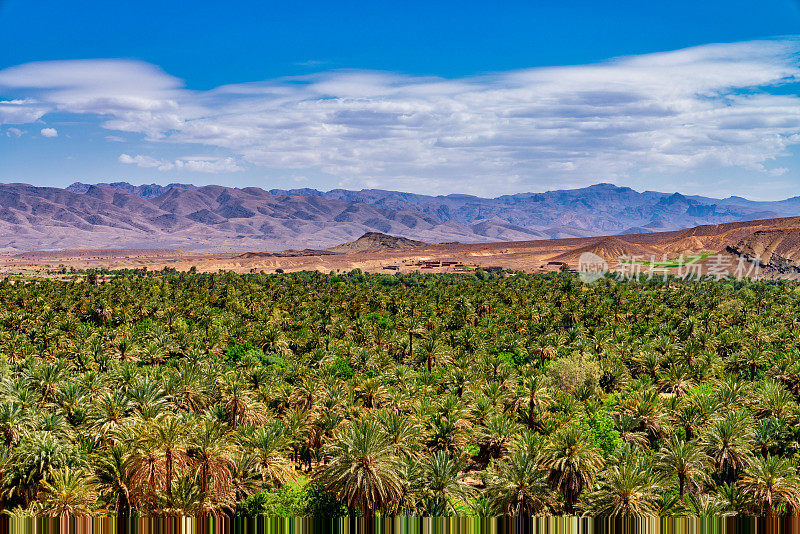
(675, 198)
(145, 191)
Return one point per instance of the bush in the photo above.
(245, 353)
(235, 352)
(286, 501)
(341, 368)
(322, 504)
(379, 320)
(599, 429)
(514, 359)
(574, 374)
(253, 505)
(293, 500)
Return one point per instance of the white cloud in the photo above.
(14, 132)
(20, 111)
(704, 107)
(204, 164)
(140, 161)
(207, 165)
(49, 132)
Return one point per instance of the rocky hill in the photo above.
(777, 248)
(377, 241)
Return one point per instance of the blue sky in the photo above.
(431, 97)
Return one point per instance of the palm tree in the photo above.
(771, 483)
(187, 499)
(166, 434)
(364, 472)
(628, 488)
(68, 493)
(403, 432)
(572, 463)
(10, 419)
(443, 478)
(627, 426)
(769, 434)
(112, 471)
(37, 454)
(245, 476)
(371, 392)
(211, 454)
(677, 381)
(108, 413)
(446, 432)
(774, 400)
(518, 485)
(267, 444)
(431, 347)
(685, 460)
(537, 397)
(496, 433)
(147, 473)
(414, 327)
(728, 442)
(692, 414)
(187, 387)
(5, 460)
(644, 405)
(705, 506)
(731, 499)
(240, 406)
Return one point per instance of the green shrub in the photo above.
(286, 501)
(379, 320)
(341, 368)
(299, 499)
(599, 429)
(246, 354)
(321, 503)
(235, 352)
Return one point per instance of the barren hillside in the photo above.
(775, 241)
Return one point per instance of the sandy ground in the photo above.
(529, 256)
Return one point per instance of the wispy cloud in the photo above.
(14, 132)
(311, 63)
(704, 107)
(49, 132)
(203, 164)
(21, 111)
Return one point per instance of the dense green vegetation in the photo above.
(469, 394)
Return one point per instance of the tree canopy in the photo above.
(327, 394)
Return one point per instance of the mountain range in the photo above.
(216, 218)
